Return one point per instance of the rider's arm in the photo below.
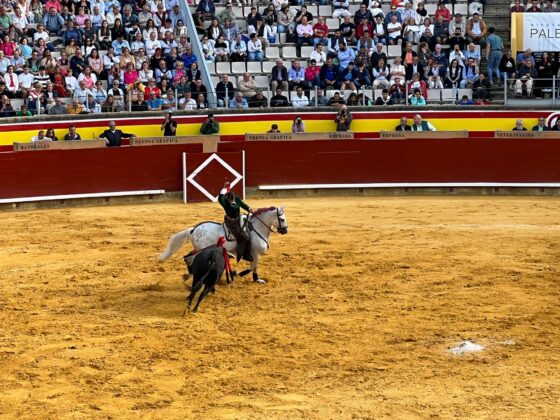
(243, 205)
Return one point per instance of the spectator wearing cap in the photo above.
(341, 8)
(477, 30)
(258, 100)
(285, 19)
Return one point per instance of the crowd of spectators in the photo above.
(91, 56)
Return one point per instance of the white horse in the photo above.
(260, 222)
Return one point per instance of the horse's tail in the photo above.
(175, 243)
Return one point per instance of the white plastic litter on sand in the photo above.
(466, 347)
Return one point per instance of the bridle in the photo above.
(281, 229)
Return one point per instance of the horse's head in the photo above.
(273, 216)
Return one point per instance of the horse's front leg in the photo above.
(254, 266)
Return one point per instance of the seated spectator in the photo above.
(414, 68)
(523, 57)
(366, 43)
(258, 100)
(273, 129)
(187, 103)
(318, 55)
(420, 125)
(299, 100)
(154, 103)
(238, 49)
(411, 31)
(481, 88)
(363, 76)
(75, 107)
(58, 108)
(403, 125)
(458, 27)
(285, 19)
(472, 52)
(304, 34)
(442, 11)
(333, 44)
(352, 99)
(525, 76)
(394, 32)
(549, 7)
(329, 75)
(303, 13)
(379, 53)
(441, 30)
(298, 125)
(214, 31)
(454, 75)
(246, 85)
(169, 101)
(224, 89)
(140, 104)
(346, 30)
(363, 27)
(296, 76)
(381, 74)
(394, 12)
(208, 49)
(110, 105)
(457, 54)
(201, 102)
(207, 8)
(321, 99)
(541, 125)
(53, 21)
(336, 100)
(91, 106)
(341, 9)
(41, 136)
(72, 135)
(349, 78)
(417, 83)
(320, 32)
(255, 48)
(279, 76)
(470, 74)
(384, 99)
(429, 39)
(198, 88)
(465, 100)
(519, 125)
(477, 30)
(345, 56)
(24, 112)
(239, 102)
(417, 99)
(279, 100)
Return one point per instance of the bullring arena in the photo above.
(366, 295)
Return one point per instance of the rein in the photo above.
(253, 215)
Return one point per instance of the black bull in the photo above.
(207, 269)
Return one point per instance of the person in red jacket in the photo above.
(442, 11)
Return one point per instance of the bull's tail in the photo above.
(175, 243)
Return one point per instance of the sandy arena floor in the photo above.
(365, 297)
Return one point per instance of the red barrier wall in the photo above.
(39, 173)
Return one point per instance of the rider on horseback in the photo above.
(232, 205)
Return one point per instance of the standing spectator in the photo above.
(343, 119)
(113, 137)
(279, 76)
(298, 125)
(169, 125)
(494, 48)
(210, 126)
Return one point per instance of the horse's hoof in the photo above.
(260, 281)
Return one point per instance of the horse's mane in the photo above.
(262, 210)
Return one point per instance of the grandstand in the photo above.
(115, 49)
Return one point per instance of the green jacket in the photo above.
(210, 127)
(232, 209)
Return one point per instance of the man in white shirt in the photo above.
(81, 93)
(394, 29)
(26, 78)
(187, 102)
(341, 8)
(299, 100)
(318, 55)
(40, 137)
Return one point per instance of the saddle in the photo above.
(245, 227)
